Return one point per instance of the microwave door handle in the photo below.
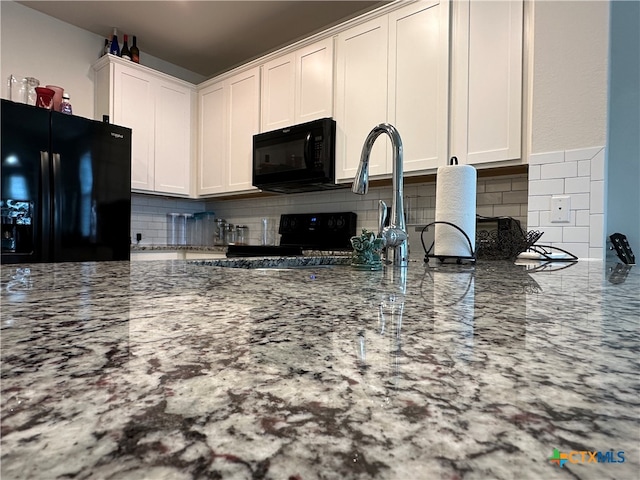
(308, 153)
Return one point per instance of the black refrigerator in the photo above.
(66, 187)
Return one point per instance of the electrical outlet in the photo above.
(560, 209)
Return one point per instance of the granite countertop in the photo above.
(186, 370)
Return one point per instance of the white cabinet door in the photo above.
(314, 81)
(418, 82)
(212, 163)
(486, 95)
(298, 87)
(173, 139)
(229, 117)
(361, 96)
(244, 122)
(133, 107)
(278, 80)
(158, 109)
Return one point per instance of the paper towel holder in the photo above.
(458, 258)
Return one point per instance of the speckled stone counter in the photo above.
(178, 370)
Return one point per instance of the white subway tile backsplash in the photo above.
(597, 197)
(539, 202)
(534, 173)
(550, 235)
(546, 187)
(578, 173)
(520, 184)
(515, 197)
(577, 185)
(582, 218)
(485, 210)
(559, 170)
(596, 253)
(489, 198)
(584, 168)
(597, 166)
(596, 233)
(575, 234)
(581, 153)
(533, 219)
(549, 157)
(498, 185)
(580, 201)
(148, 215)
(506, 211)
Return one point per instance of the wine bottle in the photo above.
(105, 49)
(124, 53)
(115, 47)
(134, 52)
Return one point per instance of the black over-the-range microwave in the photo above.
(300, 158)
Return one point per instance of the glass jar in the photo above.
(220, 231)
(230, 234)
(242, 235)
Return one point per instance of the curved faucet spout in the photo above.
(395, 235)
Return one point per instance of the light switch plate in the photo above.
(560, 209)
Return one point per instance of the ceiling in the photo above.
(207, 37)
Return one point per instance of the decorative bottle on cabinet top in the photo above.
(115, 47)
(134, 52)
(125, 49)
(65, 106)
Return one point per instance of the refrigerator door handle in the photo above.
(57, 204)
(45, 207)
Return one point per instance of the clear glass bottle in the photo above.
(65, 106)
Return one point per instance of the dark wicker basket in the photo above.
(504, 244)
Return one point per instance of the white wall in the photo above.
(36, 45)
(567, 129)
(569, 108)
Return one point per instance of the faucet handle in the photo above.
(383, 216)
(393, 236)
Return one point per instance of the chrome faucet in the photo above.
(395, 234)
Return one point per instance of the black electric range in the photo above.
(305, 231)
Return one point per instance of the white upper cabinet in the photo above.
(229, 114)
(486, 96)
(361, 95)
(419, 82)
(244, 123)
(394, 69)
(173, 130)
(212, 123)
(298, 87)
(158, 109)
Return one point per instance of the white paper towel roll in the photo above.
(455, 203)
